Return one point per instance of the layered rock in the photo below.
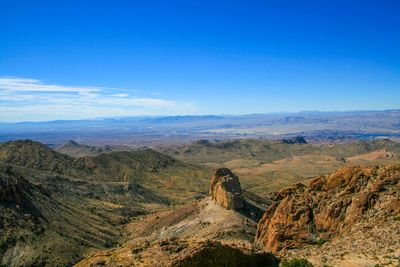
(225, 189)
(330, 205)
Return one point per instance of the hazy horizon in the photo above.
(322, 112)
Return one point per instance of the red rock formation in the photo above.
(329, 205)
(225, 189)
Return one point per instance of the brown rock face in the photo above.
(225, 189)
(330, 205)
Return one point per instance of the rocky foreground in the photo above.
(126, 209)
(215, 231)
(348, 218)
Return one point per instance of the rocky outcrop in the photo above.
(329, 206)
(225, 189)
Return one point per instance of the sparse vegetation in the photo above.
(266, 166)
(61, 207)
(48, 200)
(320, 242)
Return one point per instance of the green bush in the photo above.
(296, 263)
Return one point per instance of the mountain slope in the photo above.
(47, 219)
(54, 208)
(353, 212)
(31, 154)
(203, 233)
(266, 166)
(205, 151)
(73, 149)
(153, 170)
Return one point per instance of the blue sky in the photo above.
(84, 59)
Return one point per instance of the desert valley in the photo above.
(252, 202)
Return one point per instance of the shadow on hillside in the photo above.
(251, 211)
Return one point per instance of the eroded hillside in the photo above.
(214, 231)
(54, 207)
(142, 207)
(266, 166)
(348, 217)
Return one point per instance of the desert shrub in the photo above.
(296, 263)
(320, 242)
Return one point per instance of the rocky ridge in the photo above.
(54, 208)
(353, 201)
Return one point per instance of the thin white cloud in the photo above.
(31, 99)
(120, 95)
(33, 85)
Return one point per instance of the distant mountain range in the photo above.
(181, 129)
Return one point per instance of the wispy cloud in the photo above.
(33, 85)
(31, 99)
